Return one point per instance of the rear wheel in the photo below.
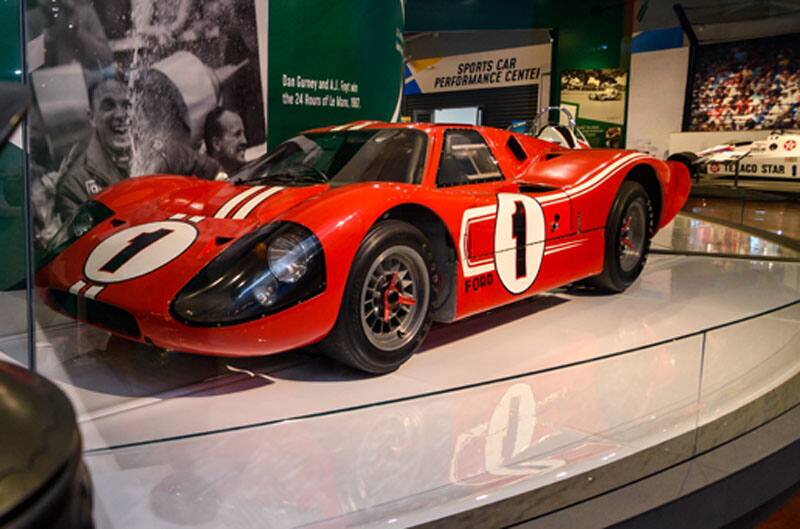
(627, 238)
(385, 312)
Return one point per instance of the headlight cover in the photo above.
(267, 271)
(90, 214)
(287, 256)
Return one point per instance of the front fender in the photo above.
(341, 219)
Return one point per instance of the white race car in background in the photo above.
(776, 157)
(607, 94)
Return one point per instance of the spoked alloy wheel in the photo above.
(627, 238)
(386, 308)
(632, 235)
(394, 298)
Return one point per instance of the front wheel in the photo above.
(385, 312)
(627, 238)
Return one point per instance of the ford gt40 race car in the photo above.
(777, 157)
(355, 238)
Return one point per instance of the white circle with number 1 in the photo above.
(518, 241)
(138, 250)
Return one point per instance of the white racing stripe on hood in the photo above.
(77, 287)
(93, 291)
(362, 125)
(228, 206)
(256, 201)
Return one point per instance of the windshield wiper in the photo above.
(322, 175)
(315, 176)
(280, 178)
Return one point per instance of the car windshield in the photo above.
(342, 157)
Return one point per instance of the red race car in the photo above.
(356, 238)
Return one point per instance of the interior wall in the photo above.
(461, 15)
(656, 98)
(747, 29)
(593, 35)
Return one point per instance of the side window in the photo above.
(466, 159)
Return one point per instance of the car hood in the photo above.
(196, 221)
(150, 197)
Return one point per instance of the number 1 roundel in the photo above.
(518, 241)
(138, 250)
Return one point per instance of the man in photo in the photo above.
(225, 139)
(162, 132)
(106, 160)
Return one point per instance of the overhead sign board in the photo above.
(488, 69)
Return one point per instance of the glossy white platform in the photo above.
(522, 399)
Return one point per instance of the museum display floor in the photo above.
(557, 399)
(779, 217)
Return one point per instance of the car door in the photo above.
(504, 229)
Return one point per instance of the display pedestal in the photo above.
(546, 412)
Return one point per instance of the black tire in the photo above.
(621, 268)
(688, 159)
(353, 338)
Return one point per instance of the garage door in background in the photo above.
(504, 84)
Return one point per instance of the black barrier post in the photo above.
(27, 205)
(555, 76)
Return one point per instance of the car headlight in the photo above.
(90, 214)
(288, 256)
(264, 272)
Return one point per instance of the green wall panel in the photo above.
(353, 43)
(460, 15)
(10, 41)
(12, 219)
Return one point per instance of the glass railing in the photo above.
(418, 446)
